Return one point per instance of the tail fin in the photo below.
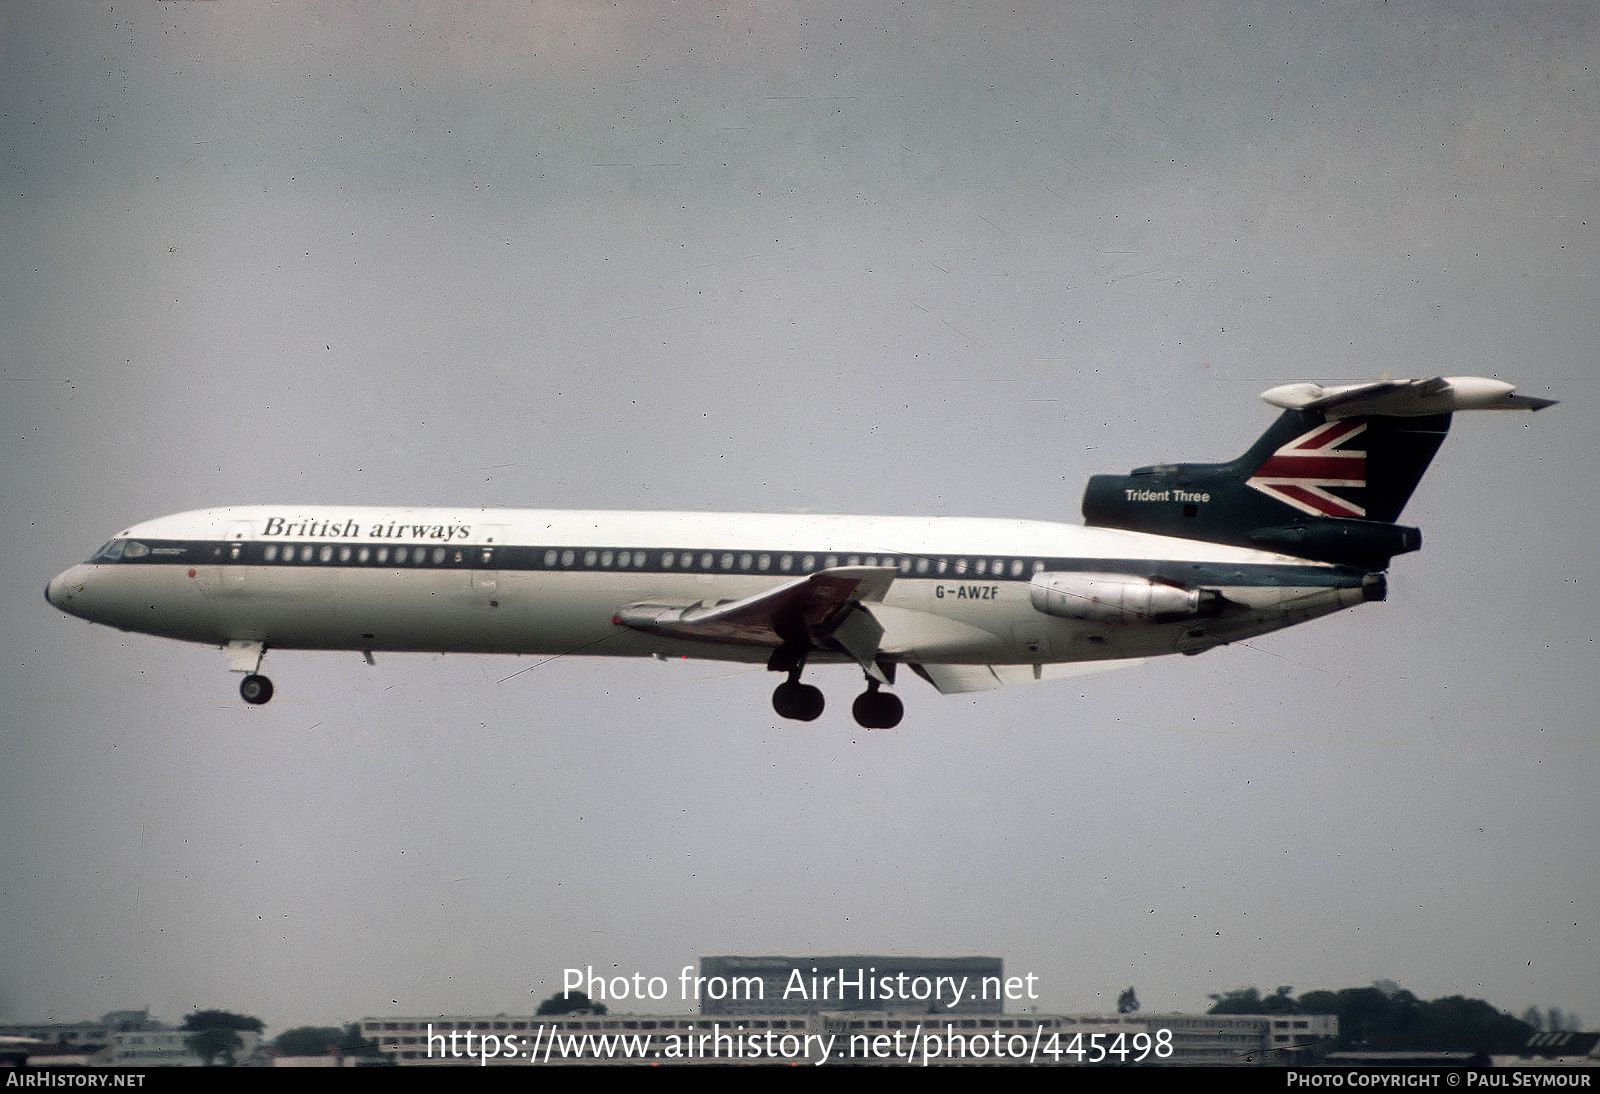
(1327, 481)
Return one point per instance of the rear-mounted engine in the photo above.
(1119, 598)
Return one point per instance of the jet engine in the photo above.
(1119, 598)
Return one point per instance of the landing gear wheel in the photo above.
(876, 709)
(798, 702)
(255, 689)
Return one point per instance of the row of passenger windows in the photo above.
(395, 556)
(786, 563)
(571, 558)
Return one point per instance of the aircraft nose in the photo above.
(58, 592)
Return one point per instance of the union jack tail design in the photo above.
(1300, 473)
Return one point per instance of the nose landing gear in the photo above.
(246, 655)
(255, 689)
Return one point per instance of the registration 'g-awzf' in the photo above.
(1175, 558)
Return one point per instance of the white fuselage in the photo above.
(542, 581)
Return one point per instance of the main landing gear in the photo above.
(876, 709)
(873, 708)
(798, 702)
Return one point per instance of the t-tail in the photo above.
(1327, 481)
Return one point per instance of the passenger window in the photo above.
(305, 553)
(271, 553)
(588, 558)
(325, 555)
(922, 565)
(638, 560)
(808, 563)
(438, 555)
(624, 558)
(745, 562)
(605, 558)
(344, 554)
(549, 558)
(568, 557)
(1038, 566)
(705, 561)
(400, 554)
(666, 560)
(982, 566)
(785, 563)
(383, 554)
(1016, 567)
(764, 562)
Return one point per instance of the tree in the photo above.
(221, 1019)
(1237, 1001)
(1128, 1001)
(208, 1044)
(569, 1003)
(1280, 1002)
(353, 1044)
(216, 1033)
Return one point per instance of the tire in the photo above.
(878, 710)
(255, 689)
(798, 702)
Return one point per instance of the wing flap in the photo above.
(960, 679)
(826, 604)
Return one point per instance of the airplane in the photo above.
(1173, 558)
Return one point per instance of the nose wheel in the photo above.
(255, 689)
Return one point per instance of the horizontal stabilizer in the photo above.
(1404, 398)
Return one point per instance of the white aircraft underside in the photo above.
(968, 604)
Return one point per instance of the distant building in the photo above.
(80, 1035)
(124, 1038)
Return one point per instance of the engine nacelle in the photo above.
(1118, 598)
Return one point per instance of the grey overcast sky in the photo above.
(922, 258)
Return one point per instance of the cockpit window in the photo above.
(134, 549)
(109, 553)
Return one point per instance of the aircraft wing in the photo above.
(824, 608)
